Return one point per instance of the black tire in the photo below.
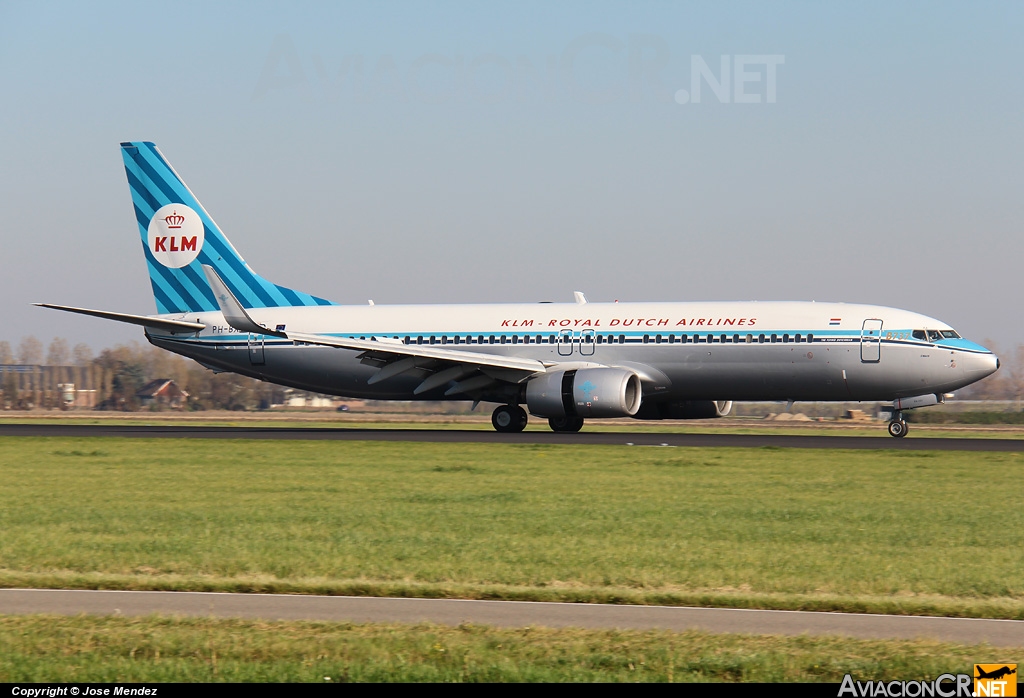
(898, 429)
(509, 419)
(566, 424)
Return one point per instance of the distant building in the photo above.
(163, 392)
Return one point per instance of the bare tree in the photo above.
(82, 354)
(30, 351)
(9, 385)
(58, 354)
(6, 355)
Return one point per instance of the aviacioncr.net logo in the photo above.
(945, 686)
(176, 235)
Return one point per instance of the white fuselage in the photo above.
(681, 351)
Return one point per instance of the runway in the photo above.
(1000, 633)
(584, 438)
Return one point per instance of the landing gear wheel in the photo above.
(898, 428)
(509, 419)
(566, 424)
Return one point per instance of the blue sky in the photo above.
(478, 152)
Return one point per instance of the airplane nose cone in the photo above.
(978, 366)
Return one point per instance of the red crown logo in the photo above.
(174, 220)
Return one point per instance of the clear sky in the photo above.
(430, 152)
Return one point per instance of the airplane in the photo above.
(994, 674)
(565, 362)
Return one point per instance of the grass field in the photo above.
(49, 649)
(882, 531)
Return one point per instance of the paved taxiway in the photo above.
(1002, 633)
(584, 438)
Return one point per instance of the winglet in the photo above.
(233, 311)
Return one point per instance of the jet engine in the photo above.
(687, 409)
(585, 392)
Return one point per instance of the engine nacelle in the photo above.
(586, 392)
(687, 409)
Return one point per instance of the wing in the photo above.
(473, 372)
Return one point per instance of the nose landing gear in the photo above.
(509, 419)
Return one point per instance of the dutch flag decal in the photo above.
(835, 321)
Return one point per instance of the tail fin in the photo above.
(179, 237)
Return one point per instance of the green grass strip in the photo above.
(883, 531)
(156, 649)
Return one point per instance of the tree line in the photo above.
(29, 379)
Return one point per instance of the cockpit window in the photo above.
(934, 335)
(950, 334)
(919, 334)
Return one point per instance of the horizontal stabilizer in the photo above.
(173, 326)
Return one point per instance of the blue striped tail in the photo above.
(179, 236)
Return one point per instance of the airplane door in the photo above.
(871, 341)
(565, 343)
(587, 342)
(256, 350)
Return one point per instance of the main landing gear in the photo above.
(509, 419)
(897, 426)
(566, 424)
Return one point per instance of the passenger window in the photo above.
(797, 339)
(760, 339)
(785, 338)
(657, 339)
(810, 338)
(775, 338)
(750, 339)
(647, 338)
